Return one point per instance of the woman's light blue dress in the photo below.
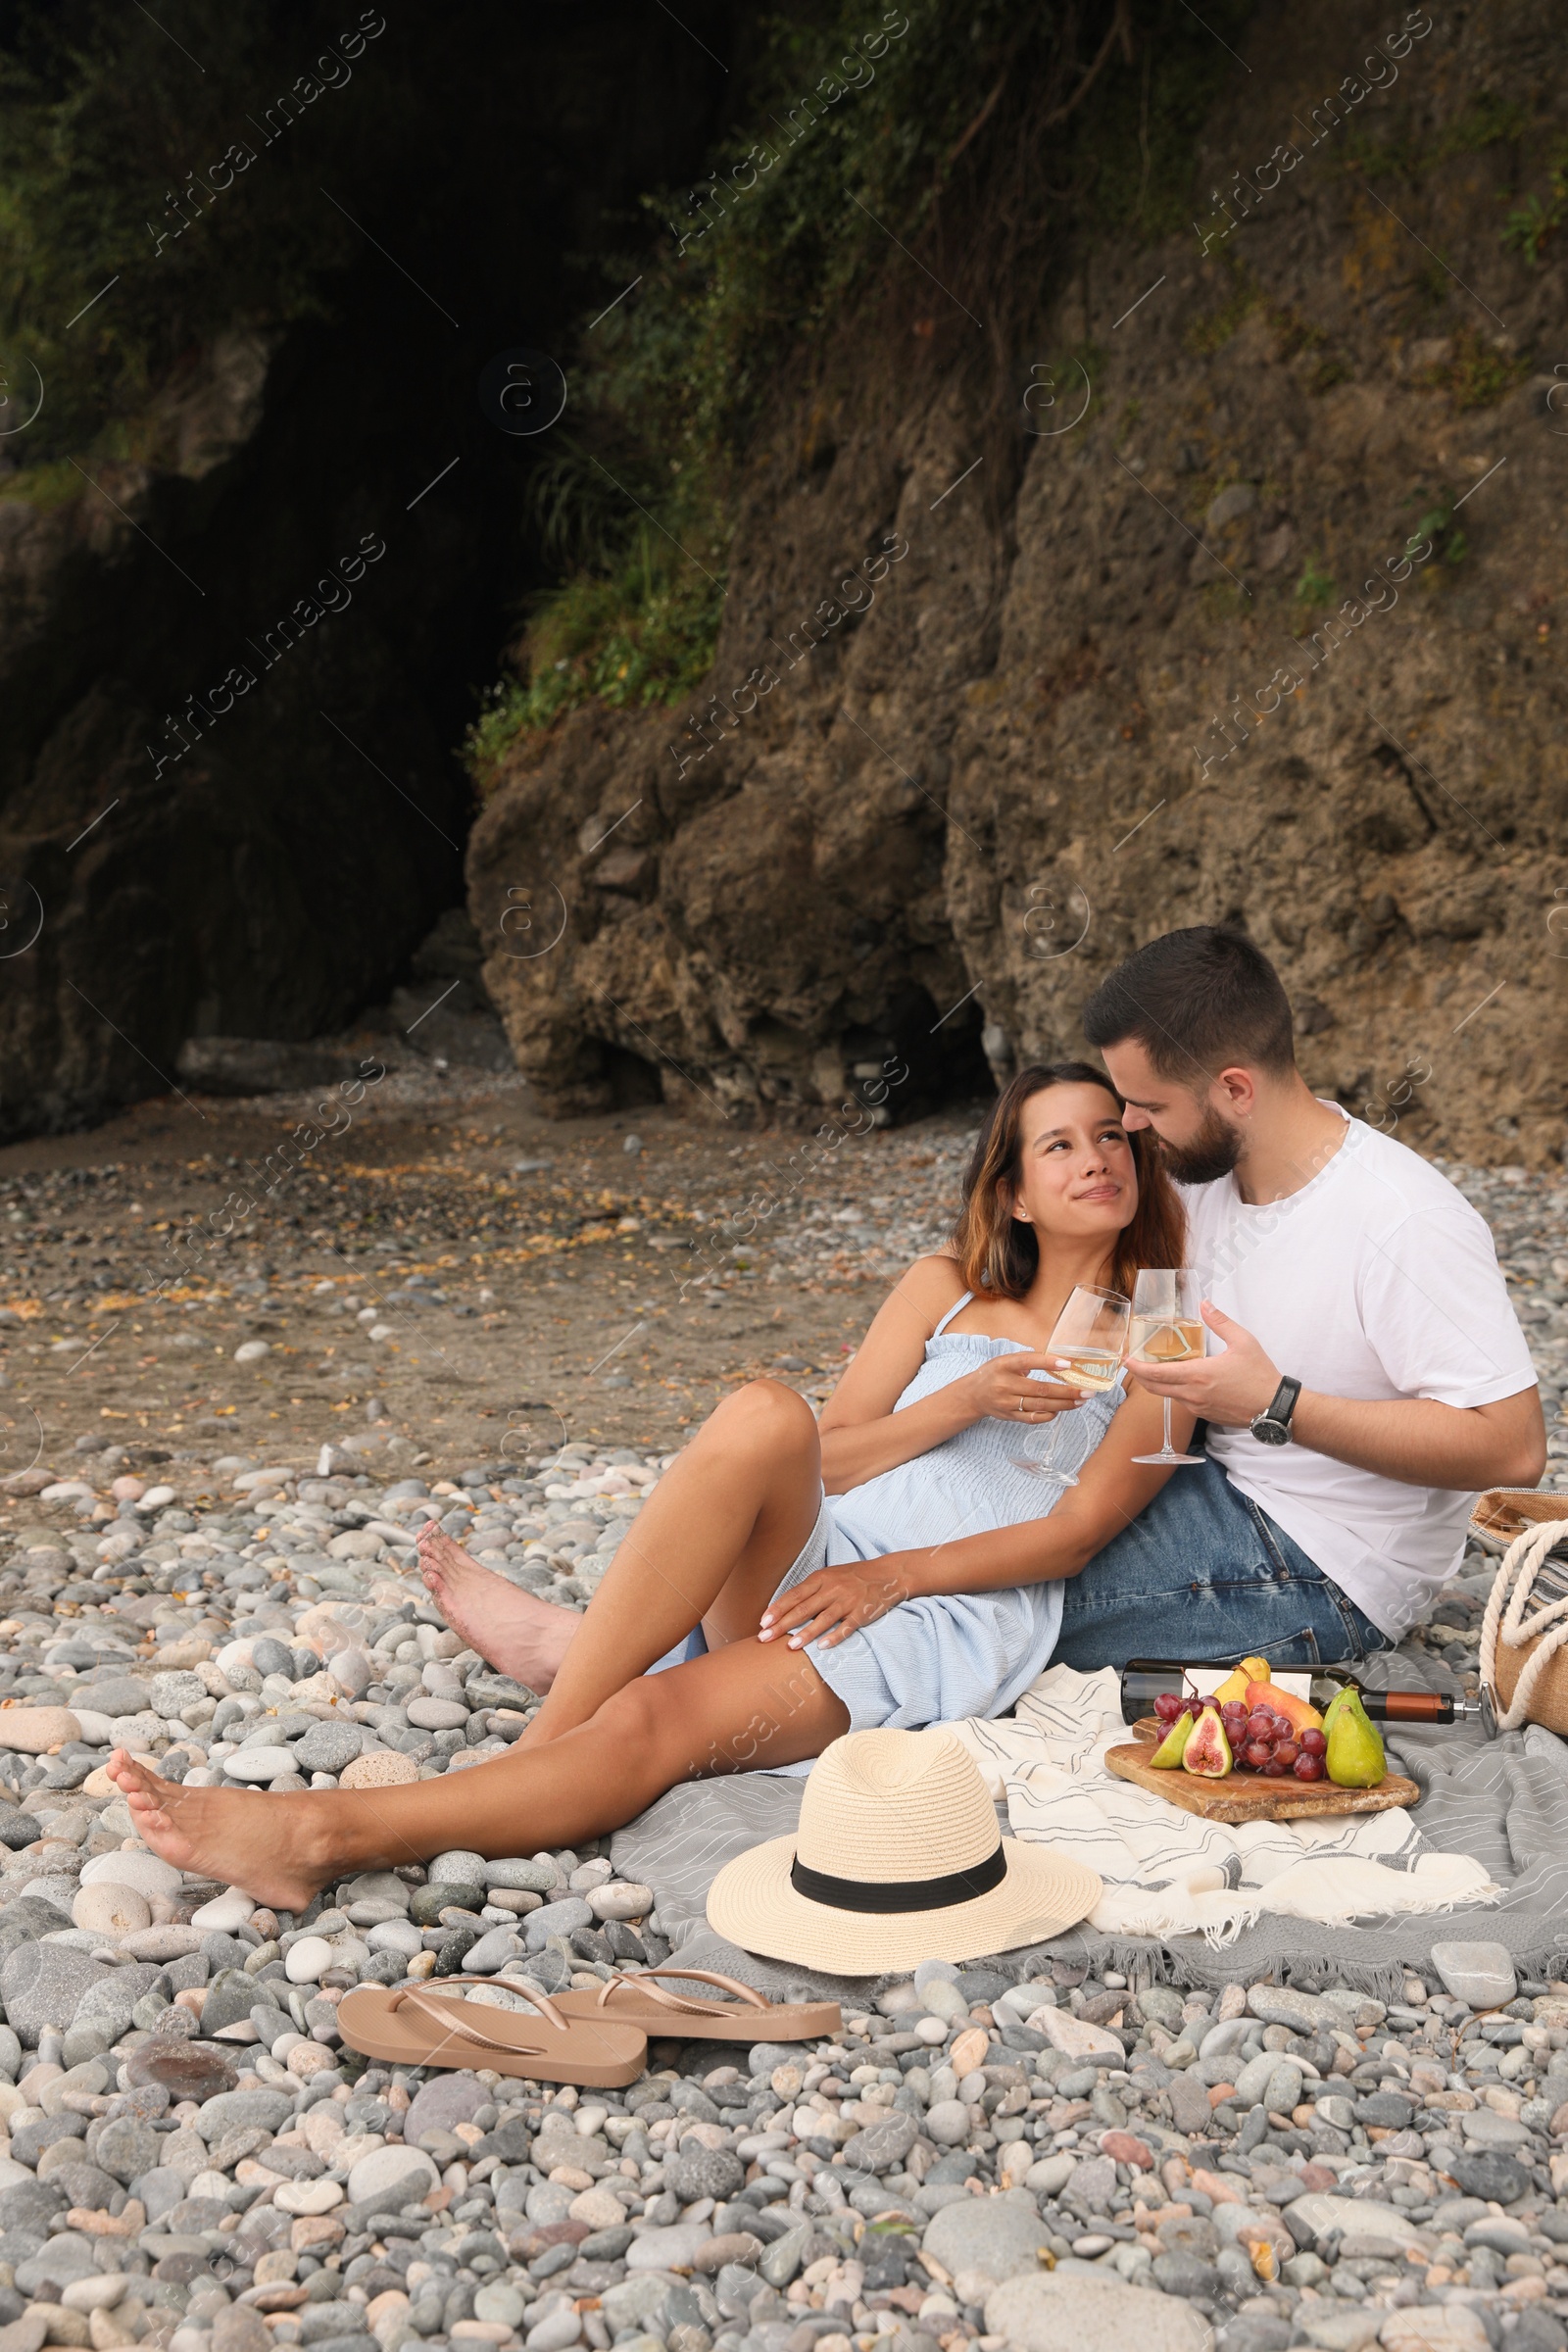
(949, 1654)
(946, 1655)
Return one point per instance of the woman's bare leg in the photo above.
(707, 1547)
(743, 1706)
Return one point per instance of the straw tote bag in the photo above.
(1524, 1634)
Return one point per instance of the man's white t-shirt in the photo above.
(1376, 1279)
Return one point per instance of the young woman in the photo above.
(925, 1586)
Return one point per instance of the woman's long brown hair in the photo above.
(997, 1252)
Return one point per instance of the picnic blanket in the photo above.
(1169, 1872)
(1500, 1808)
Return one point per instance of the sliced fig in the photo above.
(1208, 1752)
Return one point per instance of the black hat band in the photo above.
(899, 1894)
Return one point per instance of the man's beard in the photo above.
(1212, 1152)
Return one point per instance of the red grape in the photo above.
(1308, 1767)
(1274, 1770)
(1313, 1743)
(1259, 1726)
(1286, 1752)
(1167, 1706)
(1258, 1753)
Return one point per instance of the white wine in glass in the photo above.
(1167, 1328)
(1094, 1368)
(1165, 1340)
(1088, 1342)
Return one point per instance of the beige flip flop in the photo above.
(409, 2025)
(638, 2001)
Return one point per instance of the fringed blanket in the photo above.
(1489, 1840)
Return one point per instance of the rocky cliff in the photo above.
(1252, 611)
(253, 576)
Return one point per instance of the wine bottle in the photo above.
(1143, 1680)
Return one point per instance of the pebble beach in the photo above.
(193, 2158)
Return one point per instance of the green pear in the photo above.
(1355, 1758)
(1336, 1703)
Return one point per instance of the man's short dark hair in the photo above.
(1195, 1000)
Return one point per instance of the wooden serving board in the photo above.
(1246, 1796)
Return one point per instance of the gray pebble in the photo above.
(429, 1902)
(622, 1899)
(41, 1985)
(239, 2110)
(1092, 2313)
(492, 1951)
(456, 1867)
(989, 2234)
(556, 1918)
(1481, 1974)
(1491, 2177)
(536, 1877)
(172, 1694)
(444, 2100)
(699, 2171)
(328, 1746)
(880, 2146)
(1187, 2275)
(127, 2147)
(1301, 2012)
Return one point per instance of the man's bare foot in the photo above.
(266, 1848)
(519, 1634)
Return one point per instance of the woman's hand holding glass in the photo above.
(1022, 1388)
(1088, 1343)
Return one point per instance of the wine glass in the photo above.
(1167, 1329)
(1090, 1337)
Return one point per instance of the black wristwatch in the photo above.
(1272, 1425)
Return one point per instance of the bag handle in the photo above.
(1505, 1610)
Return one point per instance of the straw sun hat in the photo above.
(896, 1859)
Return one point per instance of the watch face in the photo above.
(1269, 1433)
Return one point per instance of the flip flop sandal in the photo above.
(638, 2001)
(410, 2026)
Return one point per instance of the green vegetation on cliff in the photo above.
(153, 196)
(928, 152)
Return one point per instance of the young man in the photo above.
(1369, 1377)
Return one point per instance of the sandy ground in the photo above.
(407, 1276)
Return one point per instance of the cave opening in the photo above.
(924, 1062)
(276, 527)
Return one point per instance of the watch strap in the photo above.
(1282, 1405)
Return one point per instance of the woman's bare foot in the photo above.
(271, 1848)
(519, 1634)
